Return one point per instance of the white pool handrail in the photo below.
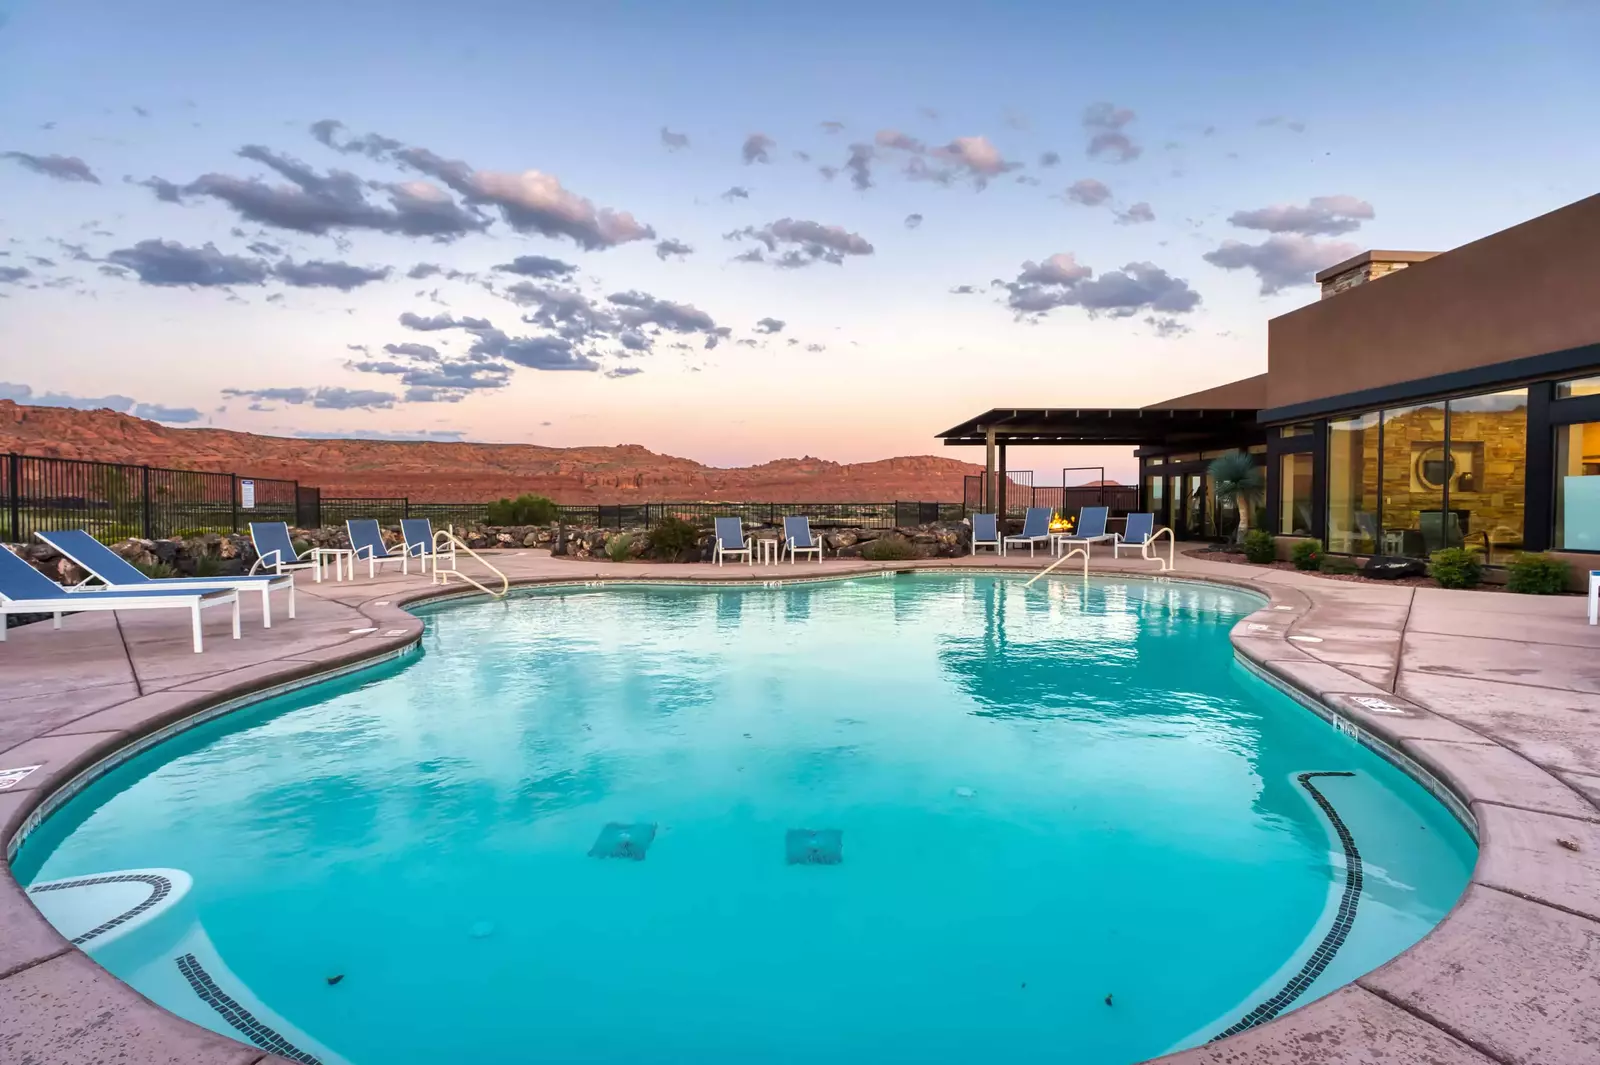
(1172, 547)
(446, 537)
(1057, 562)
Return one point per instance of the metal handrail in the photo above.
(455, 543)
(1057, 562)
(1172, 547)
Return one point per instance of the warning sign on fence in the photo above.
(247, 494)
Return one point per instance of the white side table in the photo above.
(320, 556)
(768, 550)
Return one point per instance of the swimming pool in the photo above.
(933, 818)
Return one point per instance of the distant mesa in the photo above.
(437, 471)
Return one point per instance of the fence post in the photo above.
(233, 501)
(144, 495)
(405, 506)
(14, 482)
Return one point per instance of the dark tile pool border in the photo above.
(160, 888)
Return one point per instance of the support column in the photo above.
(1000, 484)
(988, 471)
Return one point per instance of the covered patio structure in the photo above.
(1167, 427)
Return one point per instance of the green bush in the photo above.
(619, 548)
(207, 566)
(671, 537)
(889, 549)
(1533, 574)
(526, 509)
(154, 570)
(1307, 554)
(1456, 567)
(1260, 546)
(1337, 564)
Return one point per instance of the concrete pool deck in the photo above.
(1496, 695)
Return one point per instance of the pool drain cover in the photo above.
(618, 840)
(823, 846)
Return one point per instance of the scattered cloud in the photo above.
(964, 290)
(1135, 214)
(11, 275)
(1061, 281)
(1283, 260)
(1324, 216)
(168, 263)
(319, 273)
(831, 126)
(737, 192)
(1089, 192)
(802, 243)
(426, 270)
(437, 322)
(155, 412)
(328, 398)
(757, 148)
(889, 138)
(1049, 159)
(1165, 326)
(1293, 125)
(668, 248)
(770, 325)
(913, 221)
(529, 201)
(859, 164)
(445, 435)
(625, 371)
(1105, 123)
(60, 167)
(537, 266)
(673, 141)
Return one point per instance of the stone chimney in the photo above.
(1368, 266)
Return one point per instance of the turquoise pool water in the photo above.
(1070, 828)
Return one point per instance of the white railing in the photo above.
(1059, 561)
(446, 538)
(1148, 547)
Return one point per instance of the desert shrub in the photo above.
(1456, 567)
(618, 548)
(154, 570)
(1307, 554)
(1337, 564)
(207, 566)
(1260, 546)
(300, 546)
(889, 549)
(526, 509)
(671, 537)
(1535, 574)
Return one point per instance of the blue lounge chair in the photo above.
(730, 541)
(798, 539)
(986, 533)
(113, 571)
(275, 550)
(366, 542)
(1091, 529)
(24, 590)
(420, 542)
(1137, 534)
(1035, 529)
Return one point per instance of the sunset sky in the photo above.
(733, 231)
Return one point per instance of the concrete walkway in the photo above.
(1497, 695)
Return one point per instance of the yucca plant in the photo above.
(1234, 474)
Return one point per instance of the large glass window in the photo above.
(1154, 499)
(1353, 484)
(1583, 386)
(1294, 494)
(1485, 472)
(1414, 473)
(1578, 487)
(1195, 504)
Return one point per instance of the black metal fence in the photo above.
(114, 501)
(1021, 493)
(630, 515)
